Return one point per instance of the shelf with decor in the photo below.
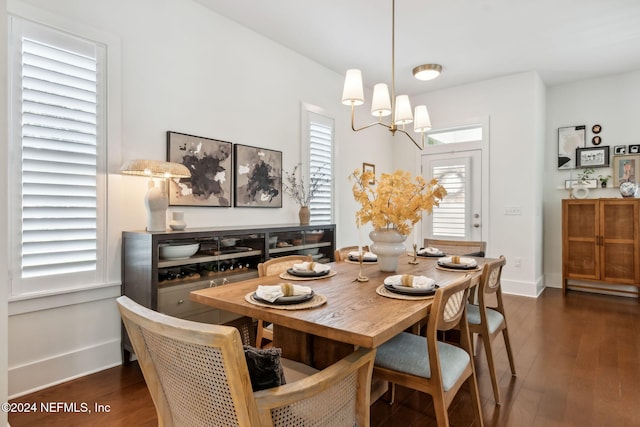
(160, 269)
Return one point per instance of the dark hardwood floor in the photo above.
(577, 361)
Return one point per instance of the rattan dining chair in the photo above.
(488, 321)
(431, 366)
(273, 267)
(342, 254)
(458, 247)
(197, 375)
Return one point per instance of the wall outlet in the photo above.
(512, 210)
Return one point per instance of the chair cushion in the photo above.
(265, 368)
(494, 318)
(408, 353)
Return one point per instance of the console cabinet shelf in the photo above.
(601, 242)
(225, 255)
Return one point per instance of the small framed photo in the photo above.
(571, 183)
(369, 167)
(569, 139)
(625, 168)
(634, 149)
(209, 161)
(592, 157)
(619, 149)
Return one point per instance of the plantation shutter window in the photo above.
(56, 98)
(320, 161)
(449, 217)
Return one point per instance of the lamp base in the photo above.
(157, 202)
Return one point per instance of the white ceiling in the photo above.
(563, 40)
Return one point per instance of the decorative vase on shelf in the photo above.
(177, 221)
(580, 191)
(388, 246)
(304, 215)
(628, 188)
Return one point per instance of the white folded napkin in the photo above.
(366, 256)
(272, 293)
(464, 262)
(429, 251)
(418, 282)
(311, 266)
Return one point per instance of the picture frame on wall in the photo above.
(569, 139)
(619, 149)
(210, 163)
(634, 149)
(370, 167)
(625, 168)
(592, 157)
(572, 183)
(258, 177)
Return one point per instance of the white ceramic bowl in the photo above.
(179, 251)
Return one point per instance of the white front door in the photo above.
(459, 216)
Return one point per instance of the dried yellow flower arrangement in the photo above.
(395, 200)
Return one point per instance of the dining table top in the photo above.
(354, 312)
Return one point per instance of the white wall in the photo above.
(186, 69)
(4, 279)
(612, 102)
(515, 108)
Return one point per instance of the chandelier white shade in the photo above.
(383, 104)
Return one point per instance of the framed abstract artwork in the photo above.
(258, 177)
(569, 139)
(210, 163)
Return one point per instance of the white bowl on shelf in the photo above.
(179, 251)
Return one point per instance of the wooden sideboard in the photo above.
(225, 255)
(601, 243)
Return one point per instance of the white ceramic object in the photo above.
(179, 251)
(177, 221)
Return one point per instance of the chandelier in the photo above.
(383, 105)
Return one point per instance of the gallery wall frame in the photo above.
(258, 177)
(570, 138)
(210, 163)
(625, 168)
(634, 149)
(592, 157)
(619, 149)
(370, 167)
(572, 183)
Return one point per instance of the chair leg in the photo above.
(259, 334)
(486, 341)
(440, 407)
(507, 344)
(475, 398)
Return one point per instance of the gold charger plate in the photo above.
(288, 276)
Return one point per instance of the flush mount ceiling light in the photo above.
(382, 105)
(427, 71)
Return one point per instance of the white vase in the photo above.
(177, 221)
(388, 246)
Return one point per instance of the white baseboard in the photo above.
(527, 289)
(41, 374)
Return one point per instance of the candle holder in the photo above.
(414, 261)
(361, 277)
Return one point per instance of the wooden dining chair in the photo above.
(342, 254)
(274, 267)
(197, 375)
(488, 321)
(458, 247)
(431, 366)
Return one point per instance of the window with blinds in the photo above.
(320, 149)
(449, 218)
(56, 94)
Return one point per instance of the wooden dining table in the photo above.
(354, 314)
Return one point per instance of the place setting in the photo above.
(353, 257)
(308, 270)
(430, 252)
(285, 296)
(457, 263)
(408, 287)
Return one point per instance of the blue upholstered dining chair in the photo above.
(488, 321)
(431, 366)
